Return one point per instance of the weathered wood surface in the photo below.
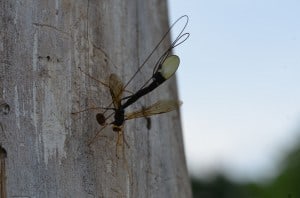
(42, 44)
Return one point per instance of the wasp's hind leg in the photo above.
(121, 141)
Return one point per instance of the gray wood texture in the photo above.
(42, 44)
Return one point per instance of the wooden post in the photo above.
(42, 45)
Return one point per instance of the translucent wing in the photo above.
(116, 88)
(162, 106)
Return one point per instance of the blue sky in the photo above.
(239, 80)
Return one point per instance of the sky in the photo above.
(239, 83)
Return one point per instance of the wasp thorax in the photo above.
(117, 128)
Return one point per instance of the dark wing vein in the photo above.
(162, 106)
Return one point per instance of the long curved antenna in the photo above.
(93, 108)
(99, 81)
(107, 57)
(155, 48)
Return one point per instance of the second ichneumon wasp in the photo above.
(164, 68)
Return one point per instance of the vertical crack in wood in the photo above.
(3, 155)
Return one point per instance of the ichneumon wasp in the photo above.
(164, 69)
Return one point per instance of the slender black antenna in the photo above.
(172, 45)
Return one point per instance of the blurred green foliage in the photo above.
(220, 187)
(285, 185)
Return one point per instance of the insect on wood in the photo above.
(164, 69)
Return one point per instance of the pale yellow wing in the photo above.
(162, 106)
(116, 88)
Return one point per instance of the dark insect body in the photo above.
(165, 68)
